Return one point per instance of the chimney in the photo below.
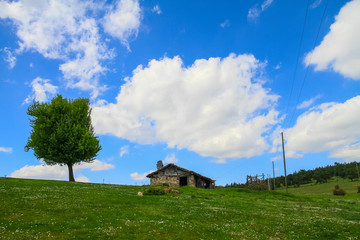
(159, 164)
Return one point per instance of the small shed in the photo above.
(177, 176)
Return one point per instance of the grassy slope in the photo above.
(325, 189)
(35, 209)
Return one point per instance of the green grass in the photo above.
(325, 189)
(36, 209)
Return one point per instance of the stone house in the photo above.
(177, 176)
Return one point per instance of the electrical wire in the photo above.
(308, 66)
(297, 59)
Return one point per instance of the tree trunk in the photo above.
(71, 173)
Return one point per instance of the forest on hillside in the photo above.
(319, 175)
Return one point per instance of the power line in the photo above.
(307, 68)
(297, 58)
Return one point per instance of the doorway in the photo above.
(183, 181)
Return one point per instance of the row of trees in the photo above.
(320, 175)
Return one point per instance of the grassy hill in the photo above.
(37, 209)
(325, 189)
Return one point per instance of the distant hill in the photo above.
(325, 189)
(320, 174)
(349, 171)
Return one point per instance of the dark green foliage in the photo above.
(165, 184)
(358, 189)
(258, 186)
(236, 185)
(320, 174)
(338, 191)
(280, 181)
(62, 132)
(154, 191)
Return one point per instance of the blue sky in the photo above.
(207, 85)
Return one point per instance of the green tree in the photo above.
(351, 171)
(62, 132)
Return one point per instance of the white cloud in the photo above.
(340, 48)
(156, 9)
(171, 158)
(41, 89)
(315, 4)
(138, 177)
(61, 30)
(220, 161)
(69, 31)
(349, 153)
(293, 154)
(95, 165)
(225, 24)
(6, 149)
(308, 103)
(266, 4)
(10, 58)
(123, 20)
(256, 10)
(276, 158)
(277, 67)
(82, 178)
(57, 172)
(332, 127)
(9, 81)
(216, 107)
(124, 150)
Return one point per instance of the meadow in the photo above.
(41, 209)
(324, 189)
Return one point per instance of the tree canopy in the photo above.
(62, 132)
(321, 174)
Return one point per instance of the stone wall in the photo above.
(173, 181)
(191, 180)
(172, 174)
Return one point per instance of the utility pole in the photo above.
(282, 139)
(273, 174)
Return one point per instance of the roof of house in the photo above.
(183, 169)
